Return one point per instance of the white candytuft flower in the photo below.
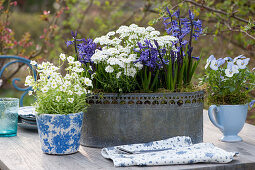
(109, 69)
(118, 75)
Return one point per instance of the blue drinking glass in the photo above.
(8, 116)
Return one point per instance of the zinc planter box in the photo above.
(116, 119)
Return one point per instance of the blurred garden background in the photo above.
(37, 30)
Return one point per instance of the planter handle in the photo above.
(211, 113)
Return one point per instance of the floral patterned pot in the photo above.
(59, 134)
(118, 119)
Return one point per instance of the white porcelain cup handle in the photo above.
(211, 113)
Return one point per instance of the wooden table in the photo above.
(24, 152)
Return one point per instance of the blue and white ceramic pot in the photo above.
(59, 134)
(229, 119)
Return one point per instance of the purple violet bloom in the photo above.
(228, 59)
(251, 103)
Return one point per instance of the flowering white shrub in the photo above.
(57, 94)
(118, 55)
(116, 63)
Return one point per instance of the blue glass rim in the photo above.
(8, 99)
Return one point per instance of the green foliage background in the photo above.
(224, 34)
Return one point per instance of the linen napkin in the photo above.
(176, 150)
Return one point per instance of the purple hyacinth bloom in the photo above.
(85, 50)
(68, 43)
(180, 27)
(168, 11)
(196, 58)
(191, 15)
(251, 103)
(176, 13)
(74, 34)
(150, 56)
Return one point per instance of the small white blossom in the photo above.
(79, 93)
(112, 33)
(58, 98)
(63, 88)
(62, 57)
(109, 69)
(54, 85)
(118, 75)
(70, 100)
(33, 62)
(88, 82)
(70, 59)
(45, 89)
(149, 28)
(28, 81)
(30, 93)
(70, 92)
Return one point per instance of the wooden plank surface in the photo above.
(24, 152)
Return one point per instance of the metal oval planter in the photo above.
(116, 119)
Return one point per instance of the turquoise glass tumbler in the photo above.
(8, 116)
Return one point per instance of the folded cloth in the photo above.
(28, 111)
(176, 150)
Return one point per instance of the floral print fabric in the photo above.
(177, 150)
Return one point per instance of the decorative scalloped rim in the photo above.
(149, 98)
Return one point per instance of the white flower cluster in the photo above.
(73, 83)
(117, 54)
